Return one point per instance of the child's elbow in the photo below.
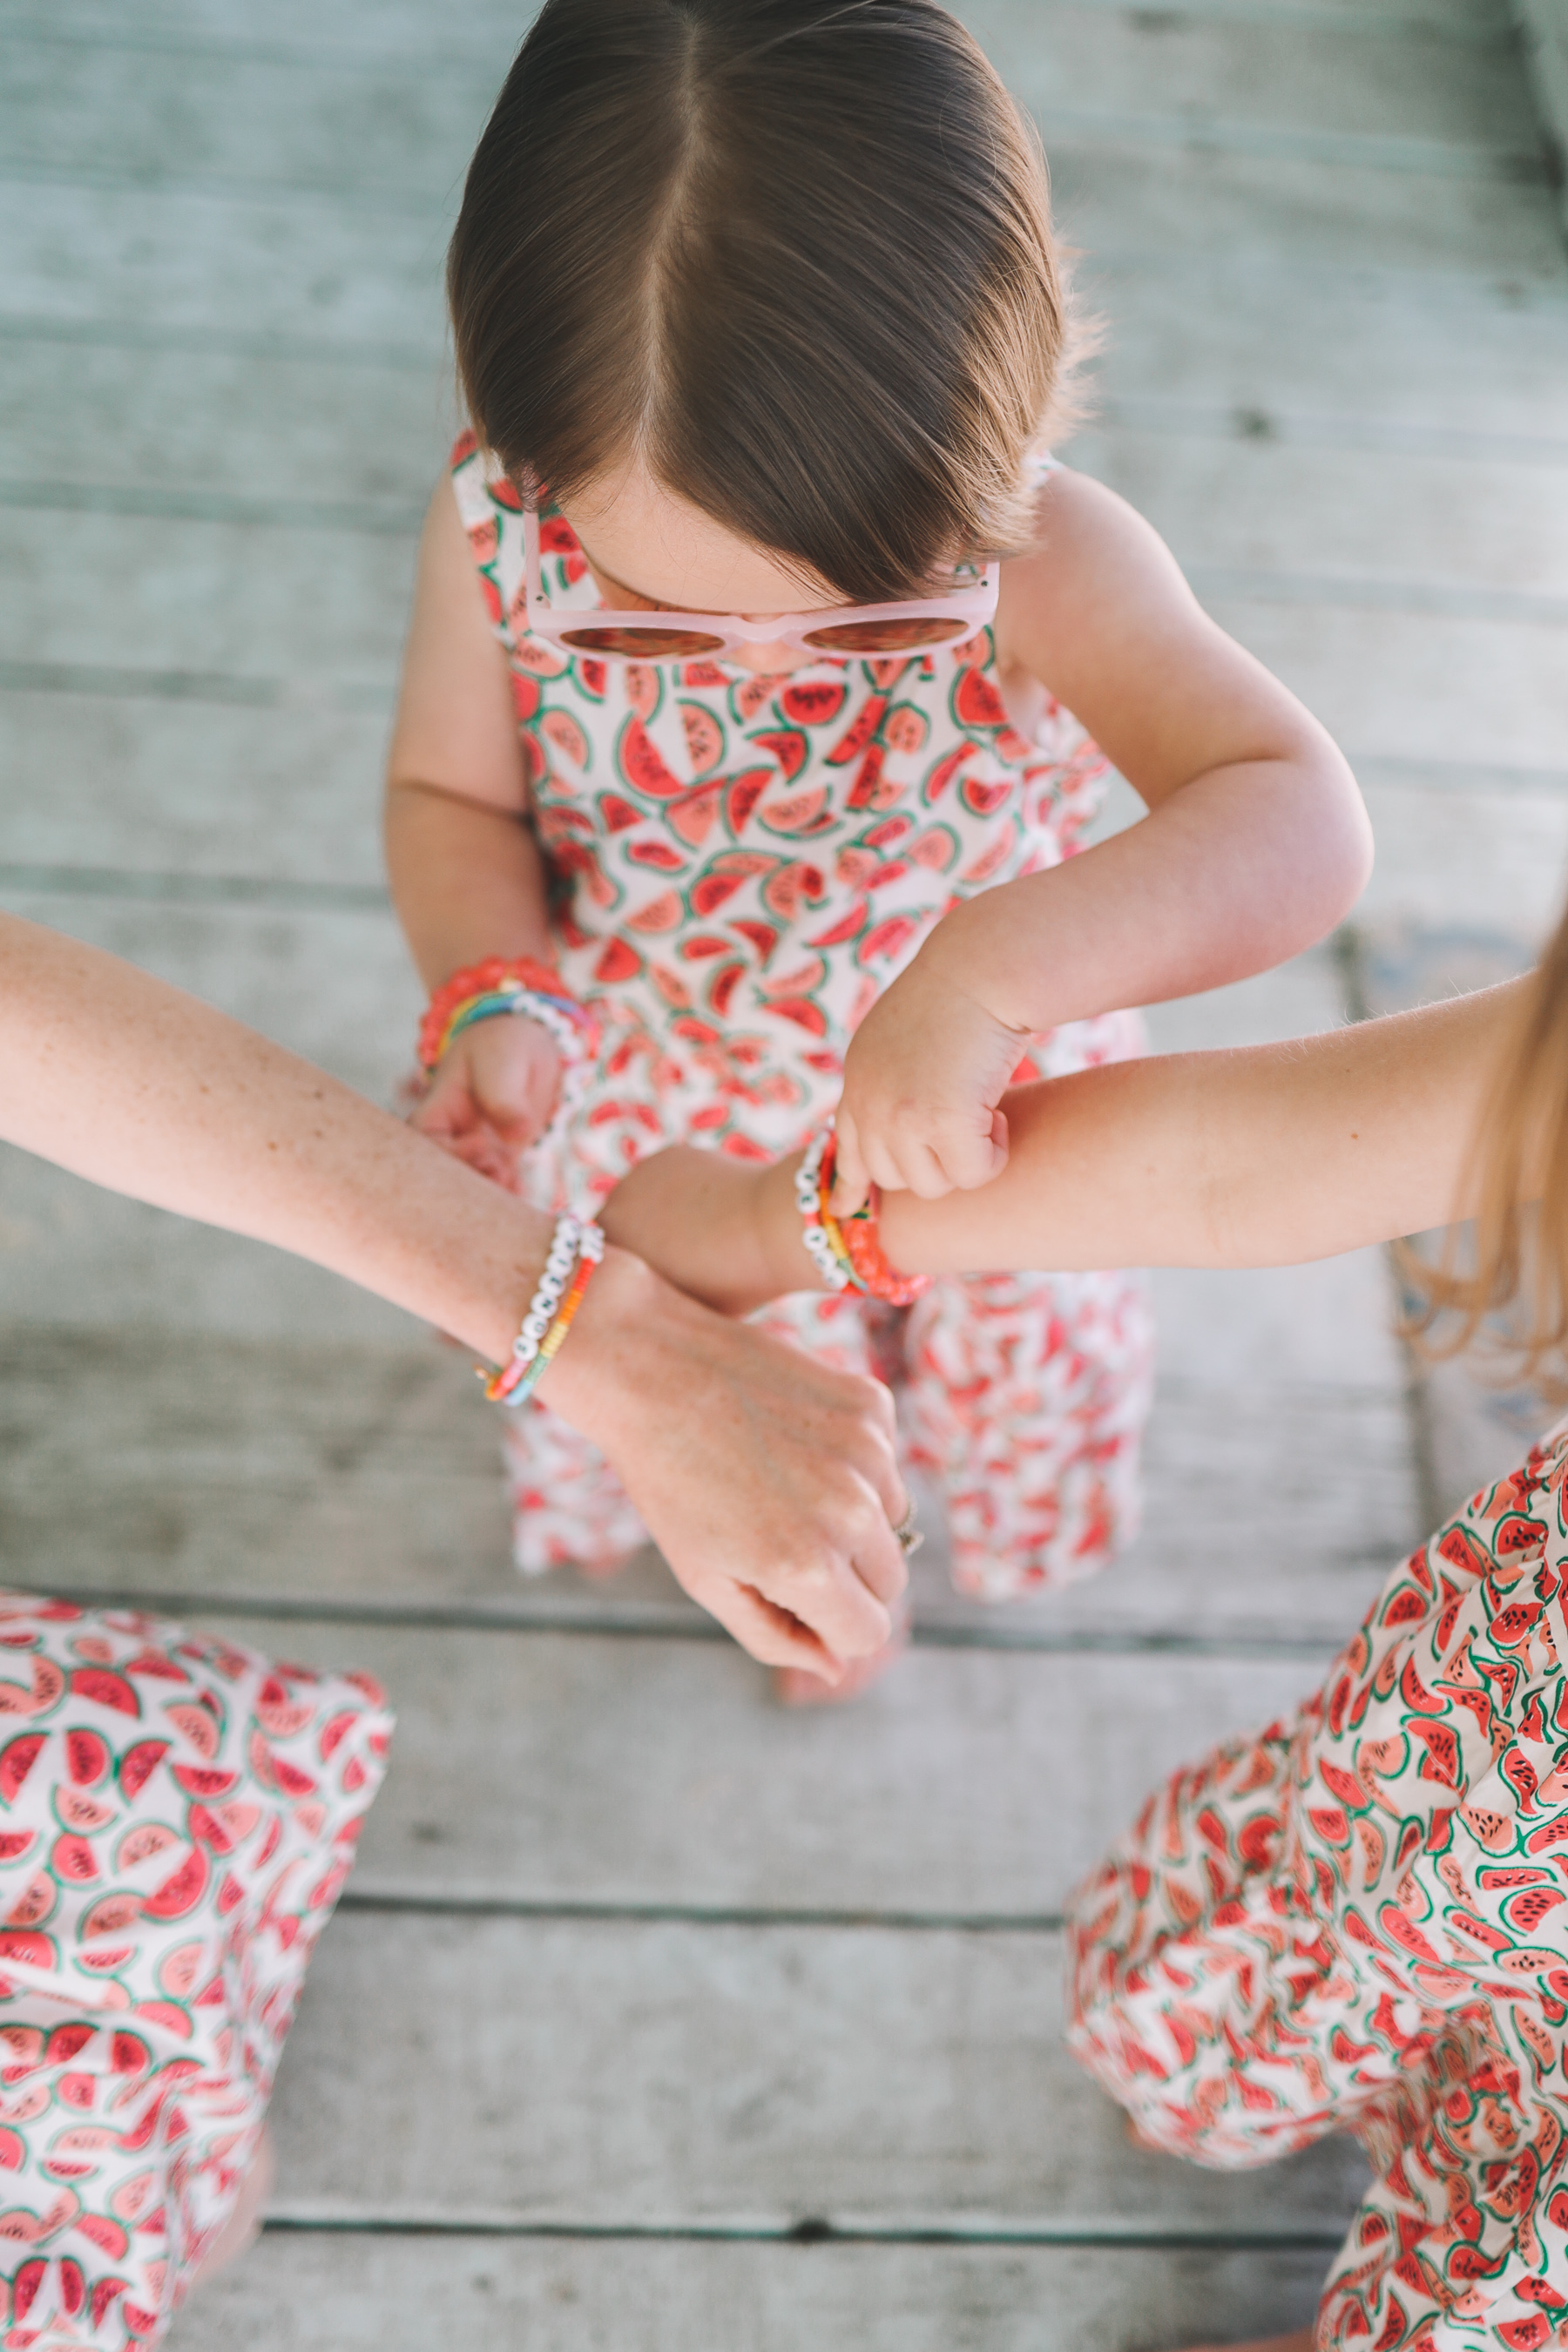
(1341, 843)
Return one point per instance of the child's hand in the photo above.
(724, 1233)
(922, 1079)
(492, 1095)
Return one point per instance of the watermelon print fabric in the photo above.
(738, 866)
(1358, 1921)
(177, 1819)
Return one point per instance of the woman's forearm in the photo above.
(1266, 1156)
(147, 1091)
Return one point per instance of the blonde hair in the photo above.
(1519, 1155)
(794, 255)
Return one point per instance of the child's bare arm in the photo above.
(768, 1479)
(1256, 843)
(466, 875)
(1265, 1157)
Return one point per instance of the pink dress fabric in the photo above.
(1357, 1921)
(739, 865)
(177, 1819)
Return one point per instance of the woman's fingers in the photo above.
(771, 1634)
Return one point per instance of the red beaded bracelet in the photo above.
(858, 1239)
(485, 979)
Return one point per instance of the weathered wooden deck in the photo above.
(655, 2016)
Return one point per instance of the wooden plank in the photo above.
(662, 2073)
(1281, 74)
(344, 122)
(970, 1785)
(371, 440)
(1422, 348)
(1382, 516)
(1238, 328)
(379, 122)
(249, 429)
(1113, 198)
(106, 783)
(229, 1469)
(303, 610)
(1460, 857)
(351, 2292)
(308, 268)
(1413, 685)
(305, 614)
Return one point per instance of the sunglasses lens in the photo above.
(643, 645)
(887, 636)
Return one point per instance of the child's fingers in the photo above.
(970, 1161)
(851, 1177)
(481, 1149)
(920, 1172)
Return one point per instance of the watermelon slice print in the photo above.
(858, 735)
(742, 796)
(750, 698)
(643, 765)
(616, 815)
(704, 737)
(789, 748)
(907, 728)
(643, 688)
(801, 812)
(814, 705)
(559, 729)
(16, 1760)
(976, 701)
(658, 854)
(694, 816)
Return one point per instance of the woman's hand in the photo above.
(770, 1482)
(493, 1093)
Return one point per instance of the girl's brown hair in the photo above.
(1519, 1256)
(794, 255)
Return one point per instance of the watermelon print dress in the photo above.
(738, 866)
(177, 1819)
(1358, 1921)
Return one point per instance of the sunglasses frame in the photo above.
(974, 606)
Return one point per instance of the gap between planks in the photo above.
(449, 1903)
(605, 1623)
(811, 2230)
(1372, 21)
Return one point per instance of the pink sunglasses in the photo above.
(841, 632)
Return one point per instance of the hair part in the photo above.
(1517, 1249)
(794, 256)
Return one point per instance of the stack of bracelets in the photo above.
(848, 1252)
(514, 985)
(575, 1249)
(480, 991)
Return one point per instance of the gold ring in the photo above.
(908, 1535)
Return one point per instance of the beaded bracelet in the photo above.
(847, 1253)
(575, 1249)
(513, 984)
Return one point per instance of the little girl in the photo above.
(761, 679)
(1356, 1919)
